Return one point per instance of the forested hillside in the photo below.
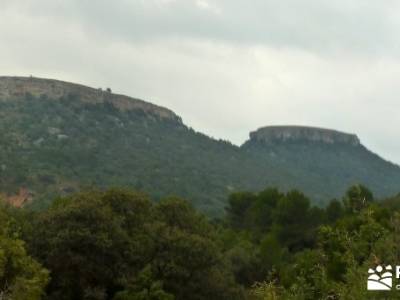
(57, 138)
(57, 147)
(324, 169)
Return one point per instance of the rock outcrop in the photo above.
(17, 87)
(303, 133)
(23, 197)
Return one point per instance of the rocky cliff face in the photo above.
(302, 133)
(17, 87)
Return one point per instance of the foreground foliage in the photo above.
(119, 245)
(21, 277)
(104, 244)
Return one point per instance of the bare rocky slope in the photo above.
(271, 134)
(17, 87)
(58, 137)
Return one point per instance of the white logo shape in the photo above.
(380, 279)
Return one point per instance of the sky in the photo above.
(227, 67)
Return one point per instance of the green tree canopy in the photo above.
(21, 277)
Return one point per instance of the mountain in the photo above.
(323, 162)
(58, 137)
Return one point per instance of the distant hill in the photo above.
(323, 162)
(57, 137)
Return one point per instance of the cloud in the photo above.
(206, 5)
(324, 63)
(317, 25)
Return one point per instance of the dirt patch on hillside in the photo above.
(23, 197)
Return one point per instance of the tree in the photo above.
(91, 242)
(357, 197)
(238, 207)
(144, 287)
(263, 208)
(292, 221)
(100, 245)
(21, 277)
(334, 211)
(187, 258)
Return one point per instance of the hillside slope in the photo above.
(58, 137)
(323, 162)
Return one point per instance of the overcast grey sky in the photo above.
(226, 66)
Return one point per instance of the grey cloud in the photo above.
(314, 25)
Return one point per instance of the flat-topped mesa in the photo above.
(303, 133)
(17, 87)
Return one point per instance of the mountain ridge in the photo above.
(93, 138)
(18, 86)
(297, 132)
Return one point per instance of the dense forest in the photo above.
(57, 142)
(119, 244)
